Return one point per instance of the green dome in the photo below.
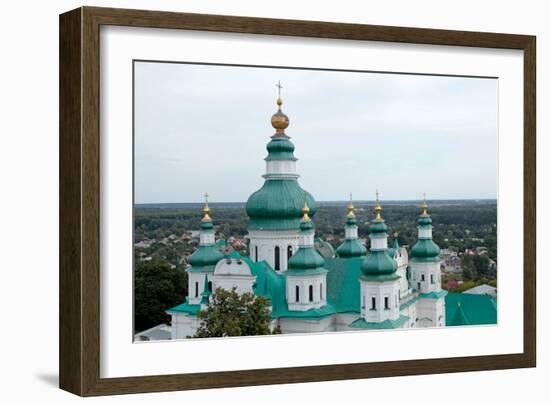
(379, 265)
(206, 224)
(425, 249)
(424, 220)
(278, 205)
(280, 148)
(206, 255)
(351, 248)
(378, 226)
(306, 258)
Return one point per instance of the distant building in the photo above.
(483, 289)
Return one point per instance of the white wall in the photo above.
(29, 177)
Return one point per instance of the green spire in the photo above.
(425, 249)
(351, 246)
(306, 260)
(206, 292)
(379, 266)
(207, 254)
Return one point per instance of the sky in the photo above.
(204, 128)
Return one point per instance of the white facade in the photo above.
(306, 292)
(195, 286)
(233, 274)
(379, 300)
(275, 247)
(426, 276)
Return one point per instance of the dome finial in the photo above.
(424, 207)
(206, 208)
(305, 210)
(351, 207)
(378, 208)
(279, 120)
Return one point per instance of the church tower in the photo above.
(379, 282)
(203, 260)
(426, 274)
(351, 246)
(275, 209)
(306, 277)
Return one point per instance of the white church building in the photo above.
(351, 289)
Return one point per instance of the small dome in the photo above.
(351, 248)
(378, 263)
(206, 255)
(425, 249)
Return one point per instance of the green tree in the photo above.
(157, 287)
(468, 270)
(231, 314)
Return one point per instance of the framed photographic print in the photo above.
(250, 201)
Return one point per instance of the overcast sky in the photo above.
(204, 128)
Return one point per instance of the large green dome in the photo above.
(277, 205)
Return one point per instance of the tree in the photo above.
(468, 270)
(231, 314)
(157, 287)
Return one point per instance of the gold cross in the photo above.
(279, 86)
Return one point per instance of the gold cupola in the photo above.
(279, 120)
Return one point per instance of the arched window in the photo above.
(310, 293)
(321, 291)
(297, 293)
(289, 252)
(256, 253)
(277, 258)
(373, 304)
(210, 286)
(196, 289)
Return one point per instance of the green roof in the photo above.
(277, 205)
(186, 307)
(434, 294)
(387, 324)
(473, 309)
(351, 248)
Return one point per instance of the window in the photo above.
(196, 289)
(277, 258)
(210, 286)
(297, 293)
(289, 252)
(310, 293)
(422, 278)
(373, 304)
(256, 253)
(321, 291)
(386, 303)
(432, 279)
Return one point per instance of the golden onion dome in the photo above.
(279, 120)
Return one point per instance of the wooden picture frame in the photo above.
(79, 309)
